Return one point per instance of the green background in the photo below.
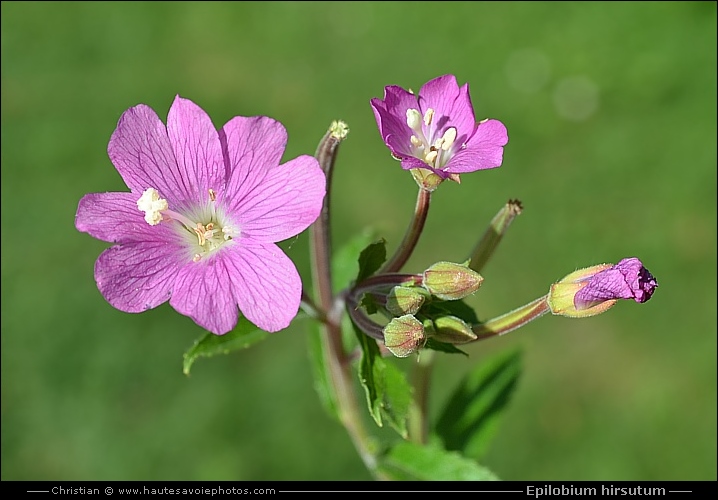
(611, 113)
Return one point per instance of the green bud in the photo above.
(450, 329)
(449, 281)
(405, 300)
(404, 335)
(561, 295)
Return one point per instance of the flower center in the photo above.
(203, 228)
(436, 150)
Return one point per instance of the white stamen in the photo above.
(428, 116)
(152, 205)
(431, 157)
(449, 138)
(415, 141)
(413, 119)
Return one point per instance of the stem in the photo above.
(492, 236)
(412, 234)
(512, 320)
(381, 281)
(309, 307)
(419, 414)
(337, 361)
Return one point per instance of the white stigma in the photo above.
(152, 205)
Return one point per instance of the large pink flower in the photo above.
(200, 223)
(437, 130)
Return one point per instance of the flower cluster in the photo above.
(206, 207)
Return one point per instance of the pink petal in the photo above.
(137, 276)
(141, 152)
(114, 217)
(203, 291)
(197, 148)
(287, 201)
(390, 115)
(451, 104)
(252, 146)
(484, 150)
(265, 283)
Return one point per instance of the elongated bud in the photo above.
(449, 281)
(596, 289)
(405, 300)
(404, 335)
(449, 329)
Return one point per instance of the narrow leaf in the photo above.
(371, 259)
(244, 335)
(389, 395)
(408, 461)
(471, 416)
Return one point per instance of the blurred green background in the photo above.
(611, 112)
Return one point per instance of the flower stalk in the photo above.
(411, 237)
(336, 359)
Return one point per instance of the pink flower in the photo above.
(626, 280)
(437, 130)
(200, 223)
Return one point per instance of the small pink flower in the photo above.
(437, 130)
(200, 223)
(626, 280)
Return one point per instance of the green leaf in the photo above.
(388, 394)
(371, 259)
(320, 370)
(457, 308)
(244, 335)
(369, 304)
(413, 462)
(345, 263)
(471, 416)
(435, 345)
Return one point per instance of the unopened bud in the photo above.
(449, 281)
(404, 300)
(450, 329)
(404, 335)
(596, 289)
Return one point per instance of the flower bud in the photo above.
(450, 329)
(449, 281)
(404, 335)
(596, 289)
(405, 300)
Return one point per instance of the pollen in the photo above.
(428, 117)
